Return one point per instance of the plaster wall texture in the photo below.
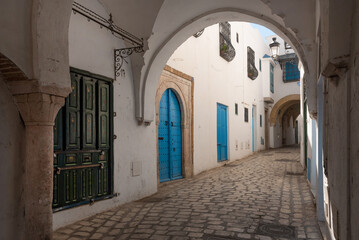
(314, 162)
(219, 81)
(337, 153)
(17, 44)
(91, 49)
(12, 148)
(290, 132)
(276, 135)
(309, 141)
(354, 129)
(301, 116)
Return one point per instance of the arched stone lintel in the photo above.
(170, 84)
(279, 105)
(286, 109)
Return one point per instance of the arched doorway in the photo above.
(169, 137)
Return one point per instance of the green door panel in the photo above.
(89, 113)
(72, 109)
(83, 143)
(58, 133)
(104, 111)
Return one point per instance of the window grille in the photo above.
(226, 49)
(291, 72)
(251, 68)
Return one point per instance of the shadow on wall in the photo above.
(12, 149)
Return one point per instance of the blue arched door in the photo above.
(169, 138)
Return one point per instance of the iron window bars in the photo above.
(251, 67)
(226, 49)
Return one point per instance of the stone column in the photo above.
(38, 111)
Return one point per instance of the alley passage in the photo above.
(264, 196)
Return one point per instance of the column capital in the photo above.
(39, 109)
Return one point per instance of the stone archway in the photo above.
(182, 84)
(281, 106)
(151, 72)
(10, 71)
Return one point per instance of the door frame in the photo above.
(182, 86)
(169, 136)
(111, 128)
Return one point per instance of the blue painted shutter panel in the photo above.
(163, 139)
(291, 72)
(175, 133)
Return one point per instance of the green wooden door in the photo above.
(83, 143)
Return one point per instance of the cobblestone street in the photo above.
(264, 196)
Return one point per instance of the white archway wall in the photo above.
(162, 45)
(91, 50)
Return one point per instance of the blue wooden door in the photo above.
(221, 132)
(169, 138)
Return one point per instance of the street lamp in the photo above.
(274, 48)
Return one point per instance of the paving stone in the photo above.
(82, 234)
(227, 201)
(97, 236)
(60, 236)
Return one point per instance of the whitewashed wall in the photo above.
(219, 81)
(91, 49)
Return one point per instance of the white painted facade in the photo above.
(324, 33)
(91, 49)
(227, 83)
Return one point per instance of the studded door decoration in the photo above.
(169, 138)
(82, 143)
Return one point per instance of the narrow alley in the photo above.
(264, 196)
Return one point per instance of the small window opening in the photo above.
(246, 114)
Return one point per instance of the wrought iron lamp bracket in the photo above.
(121, 54)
